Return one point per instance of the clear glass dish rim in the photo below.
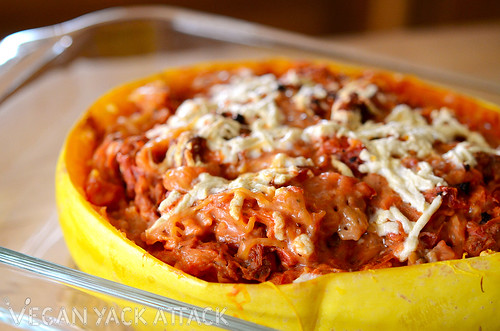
(75, 278)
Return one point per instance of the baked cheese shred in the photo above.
(307, 160)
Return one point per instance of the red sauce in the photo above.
(332, 209)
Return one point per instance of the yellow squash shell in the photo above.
(460, 294)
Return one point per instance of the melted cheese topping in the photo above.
(206, 184)
(279, 226)
(302, 245)
(403, 132)
(411, 241)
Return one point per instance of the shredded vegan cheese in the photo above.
(385, 143)
(271, 175)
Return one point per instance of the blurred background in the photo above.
(314, 17)
(458, 36)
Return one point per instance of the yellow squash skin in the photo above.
(460, 294)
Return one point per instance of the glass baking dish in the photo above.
(48, 77)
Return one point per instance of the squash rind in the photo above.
(459, 294)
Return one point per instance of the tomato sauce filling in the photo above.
(252, 176)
